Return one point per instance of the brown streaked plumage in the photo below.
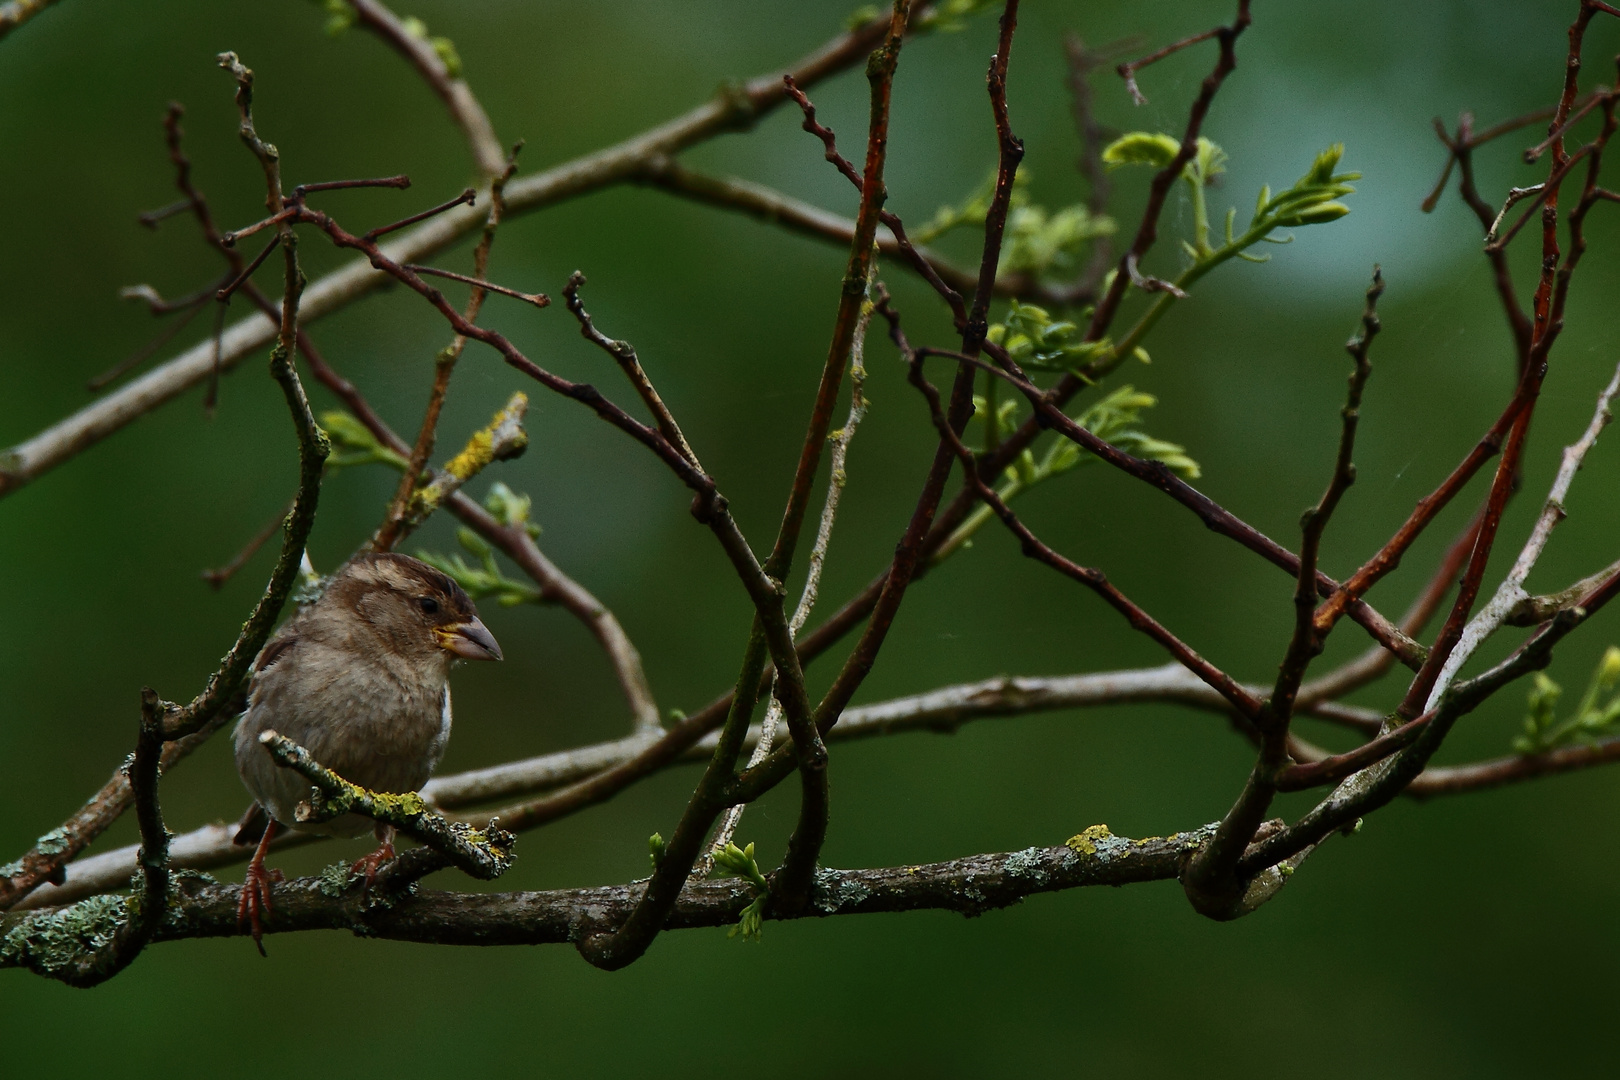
(361, 679)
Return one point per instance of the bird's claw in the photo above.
(255, 901)
(370, 864)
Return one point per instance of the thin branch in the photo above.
(539, 300)
(1210, 881)
(468, 197)
(1461, 155)
(400, 182)
(624, 354)
(145, 352)
(313, 448)
(1480, 775)
(903, 244)
(841, 440)
(1511, 594)
(1082, 62)
(1593, 99)
(100, 957)
(1306, 644)
(1557, 270)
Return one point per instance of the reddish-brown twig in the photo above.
(1306, 643)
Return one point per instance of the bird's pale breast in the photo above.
(363, 715)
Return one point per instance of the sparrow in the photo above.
(359, 678)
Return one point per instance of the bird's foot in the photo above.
(370, 864)
(255, 901)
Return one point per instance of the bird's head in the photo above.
(411, 608)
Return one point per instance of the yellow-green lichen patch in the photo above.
(1085, 841)
(479, 452)
(407, 803)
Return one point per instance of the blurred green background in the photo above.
(1466, 937)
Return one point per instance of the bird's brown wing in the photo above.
(276, 649)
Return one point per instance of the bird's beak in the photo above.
(470, 640)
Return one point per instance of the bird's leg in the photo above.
(256, 888)
(369, 864)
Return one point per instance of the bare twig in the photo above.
(1510, 595)
(539, 300)
(104, 956)
(841, 440)
(1210, 881)
(624, 354)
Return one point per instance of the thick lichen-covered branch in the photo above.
(970, 886)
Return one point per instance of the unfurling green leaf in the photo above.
(1322, 213)
(1142, 148)
(1597, 715)
(732, 861)
(354, 444)
(1321, 171)
(510, 508)
(1037, 241)
(1209, 162)
(1033, 340)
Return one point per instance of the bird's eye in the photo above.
(428, 605)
